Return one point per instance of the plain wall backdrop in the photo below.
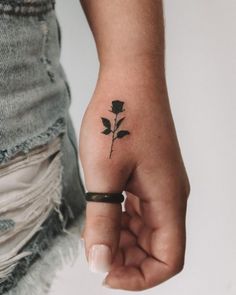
(201, 72)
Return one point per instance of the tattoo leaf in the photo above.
(106, 131)
(122, 133)
(106, 123)
(119, 122)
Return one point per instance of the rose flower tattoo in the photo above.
(116, 108)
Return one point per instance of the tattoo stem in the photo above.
(113, 136)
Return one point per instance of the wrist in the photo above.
(135, 81)
(146, 68)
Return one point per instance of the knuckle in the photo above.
(187, 188)
(176, 267)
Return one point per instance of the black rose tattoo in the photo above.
(116, 108)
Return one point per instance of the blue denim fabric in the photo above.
(34, 108)
(34, 90)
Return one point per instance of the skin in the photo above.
(147, 237)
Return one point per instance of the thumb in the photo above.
(101, 234)
(103, 173)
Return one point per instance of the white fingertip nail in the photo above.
(99, 258)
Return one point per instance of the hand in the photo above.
(147, 239)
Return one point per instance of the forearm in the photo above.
(129, 36)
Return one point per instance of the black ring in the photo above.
(104, 197)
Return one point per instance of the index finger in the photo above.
(165, 248)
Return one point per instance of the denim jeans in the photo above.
(41, 191)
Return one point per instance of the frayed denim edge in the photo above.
(44, 138)
(22, 8)
(25, 276)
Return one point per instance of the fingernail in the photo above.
(99, 258)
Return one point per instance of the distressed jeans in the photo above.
(41, 191)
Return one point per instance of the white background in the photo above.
(201, 73)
